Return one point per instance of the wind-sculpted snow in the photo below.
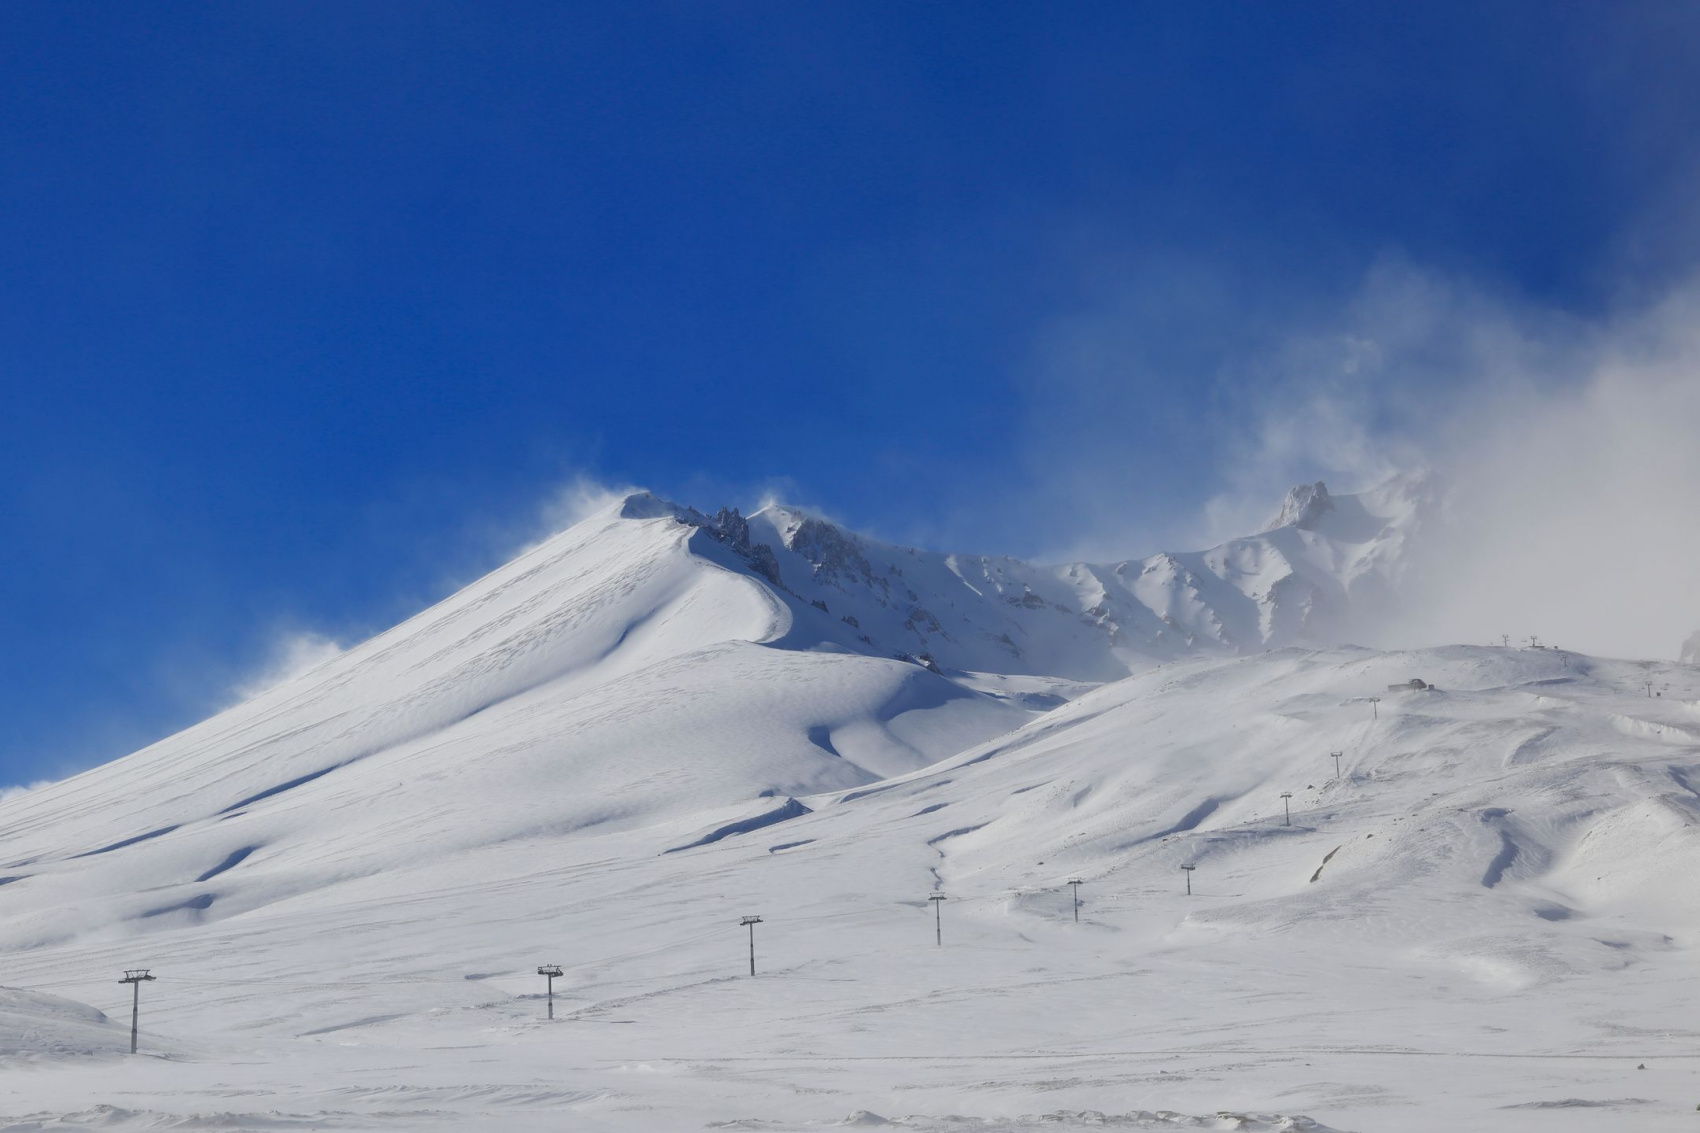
(35, 1026)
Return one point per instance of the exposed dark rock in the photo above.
(835, 555)
(732, 529)
(921, 621)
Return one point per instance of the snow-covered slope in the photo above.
(36, 1026)
(612, 676)
(1493, 894)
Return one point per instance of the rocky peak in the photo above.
(836, 555)
(732, 527)
(1303, 506)
(648, 505)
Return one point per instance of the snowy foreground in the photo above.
(1487, 921)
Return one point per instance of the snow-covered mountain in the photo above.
(647, 662)
(1691, 649)
(607, 752)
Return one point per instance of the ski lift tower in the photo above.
(136, 977)
(752, 922)
(550, 970)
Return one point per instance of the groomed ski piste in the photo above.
(608, 753)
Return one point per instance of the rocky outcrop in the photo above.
(1303, 506)
(836, 557)
(732, 529)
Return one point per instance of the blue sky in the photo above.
(310, 308)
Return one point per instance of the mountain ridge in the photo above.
(1325, 566)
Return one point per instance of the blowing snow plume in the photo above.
(1567, 451)
(1574, 515)
(290, 656)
